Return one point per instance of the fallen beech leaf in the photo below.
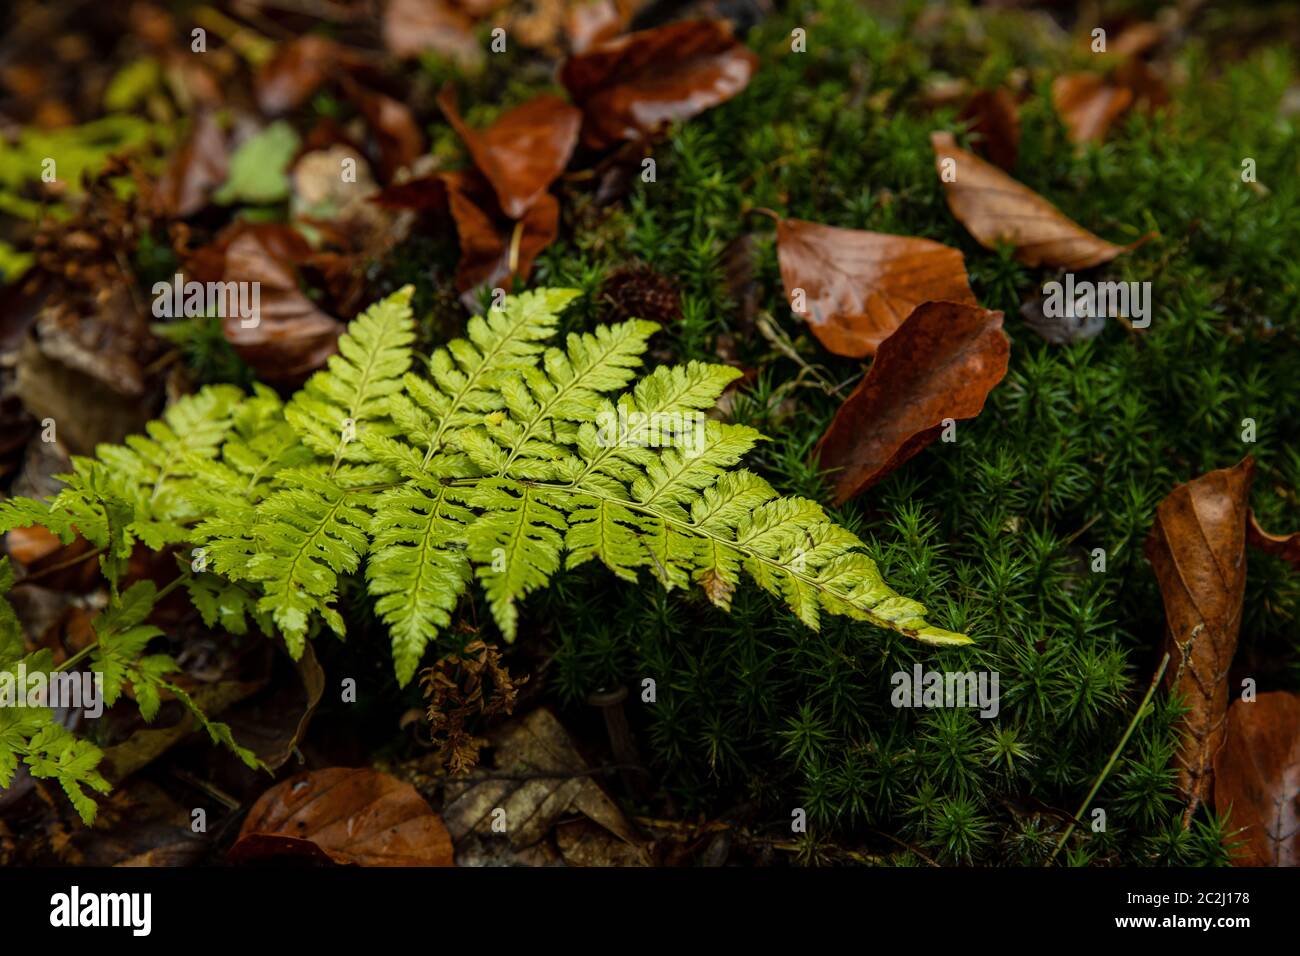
(421, 194)
(1257, 778)
(1284, 546)
(298, 69)
(411, 27)
(995, 208)
(995, 125)
(1088, 105)
(633, 85)
(595, 22)
(291, 337)
(539, 778)
(198, 167)
(858, 287)
(940, 363)
(352, 816)
(1137, 38)
(272, 723)
(29, 545)
(524, 151)
(1197, 548)
(397, 135)
(494, 248)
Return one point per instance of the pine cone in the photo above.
(638, 292)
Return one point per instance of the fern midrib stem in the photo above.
(366, 372)
(471, 382)
(543, 413)
(311, 539)
(690, 528)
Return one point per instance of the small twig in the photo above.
(212, 790)
(1114, 756)
(45, 572)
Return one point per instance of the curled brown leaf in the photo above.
(1197, 548)
(633, 85)
(940, 364)
(1284, 546)
(494, 249)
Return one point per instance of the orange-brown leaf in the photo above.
(494, 248)
(941, 363)
(996, 209)
(995, 125)
(861, 286)
(1088, 105)
(524, 151)
(1284, 546)
(352, 816)
(292, 337)
(1257, 777)
(1197, 548)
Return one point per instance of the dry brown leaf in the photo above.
(412, 27)
(1257, 778)
(524, 151)
(291, 337)
(539, 777)
(941, 363)
(298, 68)
(996, 209)
(352, 816)
(995, 125)
(633, 85)
(199, 165)
(1088, 105)
(495, 249)
(1284, 546)
(1197, 548)
(859, 287)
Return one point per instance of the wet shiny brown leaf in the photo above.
(995, 209)
(524, 151)
(1197, 548)
(494, 248)
(858, 287)
(1257, 778)
(351, 816)
(633, 85)
(940, 363)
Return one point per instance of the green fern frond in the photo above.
(349, 397)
